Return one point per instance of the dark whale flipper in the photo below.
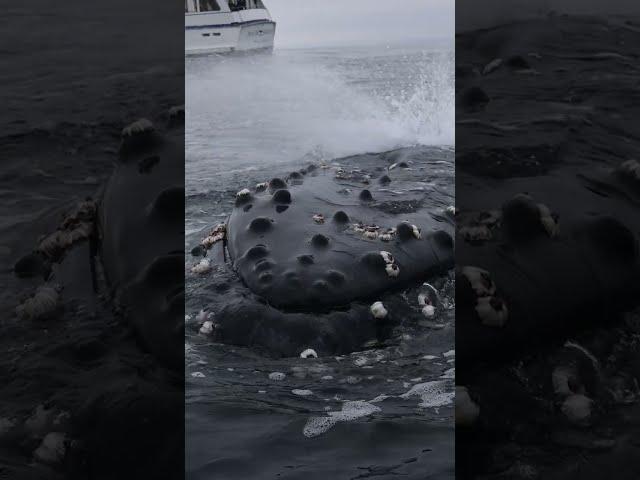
(141, 221)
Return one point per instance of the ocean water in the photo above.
(376, 413)
(70, 86)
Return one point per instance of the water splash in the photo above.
(281, 108)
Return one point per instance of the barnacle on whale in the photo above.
(428, 311)
(42, 304)
(378, 310)
(139, 126)
(577, 409)
(207, 328)
(480, 280)
(77, 225)
(217, 234)
(52, 449)
(243, 195)
(387, 257)
(392, 270)
(492, 311)
(202, 267)
(309, 353)
(477, 233)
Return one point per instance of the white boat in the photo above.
(212, 26)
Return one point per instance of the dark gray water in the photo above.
(379, 412)
(70, 85)
(554, 120)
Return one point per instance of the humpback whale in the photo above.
(315, 249)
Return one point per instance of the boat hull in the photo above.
(220, 38)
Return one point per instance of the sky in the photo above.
(304, 23)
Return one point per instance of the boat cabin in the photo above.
(208, 6)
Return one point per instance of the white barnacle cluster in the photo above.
(47, 426)
(243, 194)
(549, 221)
(477, 227)
(577, 409)
(354, 175)
(427, 308)
(371, 232)
(480, 281)
(261, 187)
(387, 257)
(52, 449)
(392, 269)
(309, 353)
(388, 234)
(140, 126)
(42, 304)
(374, 232)
(569, 387)
(60, 240)
(318, 218)
(630, 169)
(206, 328)
(217, 234)
(416, 232)
(202, 267)
(491, 309)
(77, 225)
(476, 233)
(277, 376)
(378, 311)
(341, 174)
(490, 218)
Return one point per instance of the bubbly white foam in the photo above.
(351, 410)
(437, 393)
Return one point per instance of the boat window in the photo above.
(248, 4)
(235, 5)
(209, 6)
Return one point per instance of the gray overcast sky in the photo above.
(305, 23)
